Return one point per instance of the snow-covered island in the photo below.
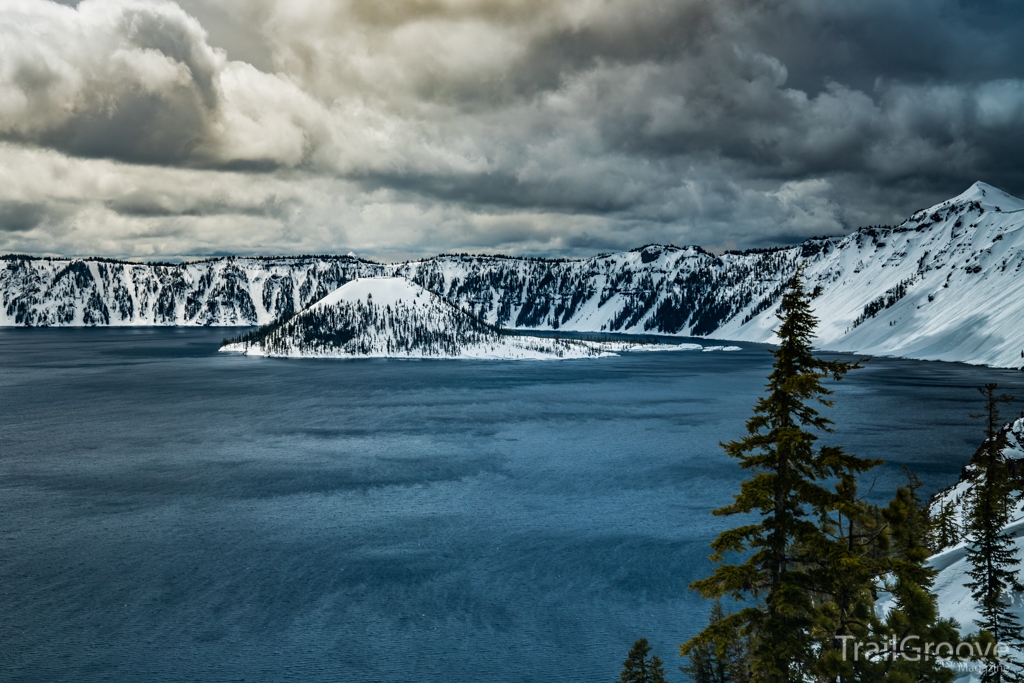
(395, 318)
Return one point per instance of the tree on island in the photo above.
(639, 668)
(991, 550)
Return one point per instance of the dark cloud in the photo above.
(504, 190)
(141, 205)
(140, 127)
(133, 82)
(20, 216)
(907, 40)
(564, 125)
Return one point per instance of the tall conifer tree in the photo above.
(945, 529)
(639, 668)
(864, 549)
(991, 550)
(913, 618)
(843, 563)
(788, 491)
(723, 661)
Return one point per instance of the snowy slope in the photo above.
(395, 318)
(946, 284)
(953, 597)
(662, 289)
(230, 291)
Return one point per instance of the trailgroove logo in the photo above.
(910, 649)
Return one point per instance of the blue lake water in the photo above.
(168, 513)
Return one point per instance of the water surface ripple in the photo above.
(168, 513)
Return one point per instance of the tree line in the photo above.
(816, 584)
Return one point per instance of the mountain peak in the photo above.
(987, 196)
(382, 291)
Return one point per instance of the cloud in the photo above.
(136, 80)
(530, 126)
(20, 216)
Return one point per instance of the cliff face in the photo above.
(662, 289)
(231, 291)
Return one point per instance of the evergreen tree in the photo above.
(991, 551)
(909, 580)
(867, 548)
(723, 661)
(639, 668)
(945, 529)
(789, 492)
(843, 564)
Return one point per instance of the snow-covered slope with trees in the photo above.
(945, 284)
(395, 318)
(954, 598)
(229, 291)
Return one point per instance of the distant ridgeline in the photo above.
(945, 284)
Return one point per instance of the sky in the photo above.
(148, 129)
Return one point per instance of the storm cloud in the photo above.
(148, 128)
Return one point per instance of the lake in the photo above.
(169, 513)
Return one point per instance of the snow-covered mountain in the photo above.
(945, 284)
(228, 291)
(395, 318)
